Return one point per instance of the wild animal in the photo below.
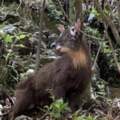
(67, 77)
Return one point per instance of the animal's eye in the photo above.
(73, 29)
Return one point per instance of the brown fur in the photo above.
(79, 57)
(66, 77)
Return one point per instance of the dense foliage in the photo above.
(19, 36)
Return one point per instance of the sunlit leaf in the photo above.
(8, 38)
(22, 36)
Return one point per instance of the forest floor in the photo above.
(18, 43)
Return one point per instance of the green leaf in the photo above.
(22, 36)
(57, 108)
(8, 38)
(20, 46)
(95, 12)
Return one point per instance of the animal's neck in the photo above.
(79, 57)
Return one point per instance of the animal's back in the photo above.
(48, 75)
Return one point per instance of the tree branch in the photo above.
(96, 58)
(108, 21)
(41, 12)
(113, 51)
(63, 11)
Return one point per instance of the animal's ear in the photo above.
(61, 28)
(78, 25)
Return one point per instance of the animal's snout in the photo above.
(56, 46)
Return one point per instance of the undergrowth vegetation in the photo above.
(19, 35)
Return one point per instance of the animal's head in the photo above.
(69, 39)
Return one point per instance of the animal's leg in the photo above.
(24, 99)
(59, 92)
(74, 101)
